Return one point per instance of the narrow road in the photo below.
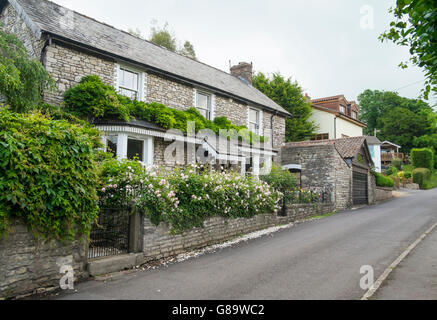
(315, 260)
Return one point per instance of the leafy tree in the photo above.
(401, 126)
(419, 33)
(163, 37)
(188, 50)
(22, 79)
(373, 105)
(289, 95)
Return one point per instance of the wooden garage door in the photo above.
(360, 186)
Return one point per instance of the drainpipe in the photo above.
(335, 127)
(47, 43)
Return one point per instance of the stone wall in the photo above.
(322, 169)
(159, 243)
(11, 22)
(382, 194)
(32, 266)
(235, 111)
(67, 66)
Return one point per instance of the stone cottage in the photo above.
(340, 167)
(71, 45)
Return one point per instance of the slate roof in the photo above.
(74, 27)
(346, 147)
(373, 140)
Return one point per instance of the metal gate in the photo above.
(360, 188)
(110, 235)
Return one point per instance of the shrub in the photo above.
(407, 175)
(383, 181)
(184, 198)
(281, 180)
(92, 98)
(423, 158)
(48, 175)
(397, 163)
(392, 171)
(421, 176)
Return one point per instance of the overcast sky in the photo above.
(319, 43)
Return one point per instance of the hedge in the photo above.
(422, 158)
(48, 175)
(383, 181)
(421, 176)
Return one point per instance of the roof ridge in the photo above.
(139, 38)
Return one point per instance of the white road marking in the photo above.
(387, 271)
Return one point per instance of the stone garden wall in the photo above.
(159, 243)
(382, 194)
(32, 266)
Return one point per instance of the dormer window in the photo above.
(204, 104)
(354, 115)
(342, 109)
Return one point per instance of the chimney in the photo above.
(243, 71)
(307, 97)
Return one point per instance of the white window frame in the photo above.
(260, 120)
(122, 145)
(342, 109)
(354, 115)
(141, 80)
(211, 96)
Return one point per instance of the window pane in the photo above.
(254, 116)
(202, 101)
(135, 149)
(128, 79)
(111, 145)
(128, 93)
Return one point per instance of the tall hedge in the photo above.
(422, 158)
(48, 175)
(421, 176)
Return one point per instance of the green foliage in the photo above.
(279, 179)
(22, 79)
(422, 158)
(419, 33)
(163, 37)
(92, 99)
(288, 95)
(421, 176)
(48, 175)
(408, 174)
(184, 198)
(392, 171)
(397, 163)
(188, 50)
(383, 181)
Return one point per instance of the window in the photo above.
(204, 104)
(128, 83)
(254, 121)
(111, 145)
(135, 149)
(354, 115)
(342, 109)
(323, 136)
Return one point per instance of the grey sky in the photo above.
(319, 43)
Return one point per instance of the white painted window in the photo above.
(204, 104)
(354, 115)
(124, 146)
(342, 109)
(255, 120)
(130, 82)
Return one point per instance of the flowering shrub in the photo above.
(184, 198)
(304, 196)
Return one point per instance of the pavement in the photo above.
(320, 259)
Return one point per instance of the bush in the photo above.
(184, 198)
(397, 163)
(93, 99)
(279, 179)
(392, 171)
(421, 176)
(48, 175)
(383, 181)
(408, 175)
(422, 158)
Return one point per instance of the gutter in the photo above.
(111, 56)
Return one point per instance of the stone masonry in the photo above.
(159, 243)
(29, 265)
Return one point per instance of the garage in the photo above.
(360, 188)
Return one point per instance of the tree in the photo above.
(188, 50)
(288, 95)
(163, 37)
(402, 126)
(373, 105)
(419, 33)
(22, 79)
